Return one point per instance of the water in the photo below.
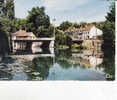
(59, 65)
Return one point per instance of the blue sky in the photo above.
(66, 10)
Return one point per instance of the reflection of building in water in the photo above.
(37, 50)
(30, 57)
(88, 58)
(36, 44)
(94, 61)
(51, 50)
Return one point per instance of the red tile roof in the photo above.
(87, 28)
(23, 33)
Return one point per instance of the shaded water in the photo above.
(58, 65)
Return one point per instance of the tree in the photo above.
(109, 28)
(4, 44)
(111, 15)
(62, 38)
(46, 32)
(18, 23)
(9, 9)
(100, 25)
(65, 25)
(38, 22)
(82, 24)
(76, 25)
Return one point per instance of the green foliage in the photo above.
(9, 9)
(62, 58)
(65, 25)
(75, 45)
(111, 15)
(63, 47)
(62, 38)
(7, 25)
(75, 50)
(100, 25)
(42, 66)
(4, 44)
(76, 25)
(109, 29)
(82, 24)
(109, 63)
(45, 32)
(10, 26)
(1, 8)
(39, 23)
(19, 23)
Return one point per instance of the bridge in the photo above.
(29, 43)
(34, 40)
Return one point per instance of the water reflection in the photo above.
(4, 75)
(58, 65)
(40, 68)
(88, 58)
(109, 63)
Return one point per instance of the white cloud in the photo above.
(62, 10)
(63, 4)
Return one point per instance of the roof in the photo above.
(86, 28)
(31, 34)
(23, 33)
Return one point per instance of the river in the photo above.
(86, 65)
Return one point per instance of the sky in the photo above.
(66, 10)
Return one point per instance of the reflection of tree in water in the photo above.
(5, 75)
(83, 59)
(41, 65)
(5, 70)
(62, 58)
(109, 63)
(65, 60)
(64, 63)
(77, 62)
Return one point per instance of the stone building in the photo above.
(19, 39)
(23, 35)
(87, 32)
